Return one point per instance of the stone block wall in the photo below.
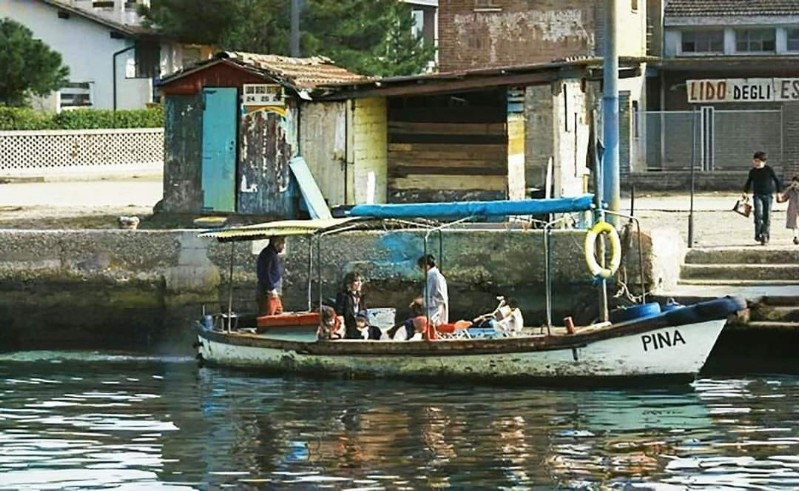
(680, 181)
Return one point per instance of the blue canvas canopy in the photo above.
(465, 209)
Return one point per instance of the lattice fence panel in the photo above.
(43, 152)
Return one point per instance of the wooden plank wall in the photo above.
(452, 147)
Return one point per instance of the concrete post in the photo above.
(294, 35)
(610, 113)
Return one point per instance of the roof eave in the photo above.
(731, 20)
(122, 28)
(243, 67)
(470, 79)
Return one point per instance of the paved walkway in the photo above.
(144, 192)
(715, 226)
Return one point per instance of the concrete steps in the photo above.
(743, 255)
(774, 312)
(737, 272)
(782, 300)
(780, 314)
(756, 265)
(769, 326)
(737, 283)
(750, 268)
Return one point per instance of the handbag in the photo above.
(742, 207)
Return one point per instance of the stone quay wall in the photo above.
(59, 289)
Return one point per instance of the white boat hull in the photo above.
(673, 351)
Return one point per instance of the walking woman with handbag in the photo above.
(764, 184)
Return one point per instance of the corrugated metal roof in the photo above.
(474, 78)
(283, 227)
(299, 73)
(721, 8)
(304, 73)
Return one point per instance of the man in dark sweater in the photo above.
(270, 277)
(764, 184)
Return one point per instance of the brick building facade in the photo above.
(490, 33)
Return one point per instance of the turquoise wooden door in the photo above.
(220, 106)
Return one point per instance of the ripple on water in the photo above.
(94, 420)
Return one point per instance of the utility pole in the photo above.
(610, 113)
(294, 36)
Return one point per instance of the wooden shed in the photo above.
(232, 129)
(469, 135)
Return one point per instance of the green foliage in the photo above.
(259, 26)
(19, 118)
(27, 65)
(370, 37)
(94, 119)
(26, 119)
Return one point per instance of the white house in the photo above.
(113, 61)
(425, 23)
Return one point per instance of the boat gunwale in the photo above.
(458, 347)
(521, 379)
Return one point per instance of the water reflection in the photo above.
(95, 420)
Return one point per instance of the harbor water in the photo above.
(92, 420)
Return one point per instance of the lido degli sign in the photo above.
(742, 90)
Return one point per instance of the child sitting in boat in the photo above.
(330, 325)
(366, 331)
(416, 327)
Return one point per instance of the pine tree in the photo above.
(259, 26)
(371, 37)
(27, 65)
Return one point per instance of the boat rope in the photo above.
(615, 250)
(624, 291)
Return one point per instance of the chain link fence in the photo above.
(715, 140)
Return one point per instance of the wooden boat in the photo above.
(672, 344)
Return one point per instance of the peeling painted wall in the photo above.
(267, 142)
(516, 171)
(183, 154)
(510, 32)
(370, 149)
(571, 138)
(558, 119)
(633, 126)
(631, 25)
(515, 32)
(539, 139)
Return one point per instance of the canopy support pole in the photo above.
(230, 289)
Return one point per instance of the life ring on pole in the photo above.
(615, 250)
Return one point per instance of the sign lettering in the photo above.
(711, 91)
(660, 340)
(262, 95)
